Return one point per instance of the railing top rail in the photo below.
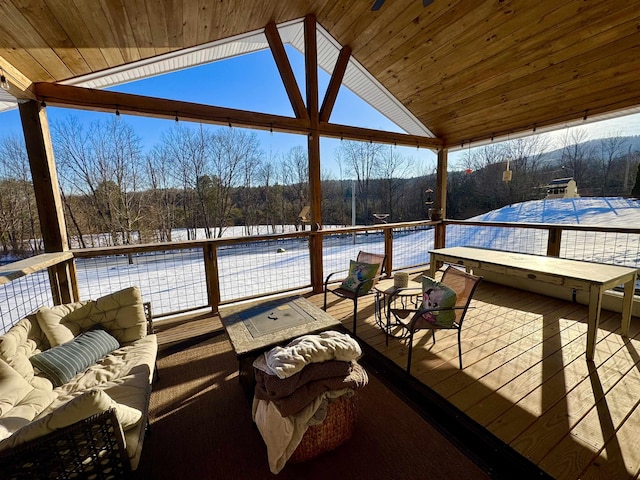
(379, 226)
(180, 245)
(18, 269)
(544, 226)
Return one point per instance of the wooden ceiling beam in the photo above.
(107, 101)
(345, 132)
(334, 84)
(286, 72)
(19, 85)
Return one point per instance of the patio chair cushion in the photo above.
(120, 313)
(360, 272)
(61, 363)
(436, 295)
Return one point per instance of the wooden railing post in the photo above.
(440, 235)
(554, 241)
(210, 252)
(388, 250)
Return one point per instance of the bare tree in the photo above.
(576, 153)
(295, 167)
(610, 148)
(393, 170)
(18, 208)
(361, 160)
(103, 165)
(230, 151)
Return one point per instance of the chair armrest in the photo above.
(93, 446)
(326, 281)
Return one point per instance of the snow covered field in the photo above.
(175, 280)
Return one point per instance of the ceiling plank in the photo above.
(546, 77)
(23, 33)
(78, 34)
(42, 20)
(523, 55)
(120, 25)
(565, 79)
(285, 70)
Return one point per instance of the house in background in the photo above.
(562, 188)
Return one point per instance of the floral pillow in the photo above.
(360, 272)
(437, 295)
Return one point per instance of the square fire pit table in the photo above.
(257, 327)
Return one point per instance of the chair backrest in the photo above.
(464, 284)
(378, 258)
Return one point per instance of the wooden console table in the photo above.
(590, 277)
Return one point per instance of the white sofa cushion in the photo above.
(21, 341)
(79, 408)
(13, 387)
(120, 313)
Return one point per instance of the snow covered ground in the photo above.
(175, 280)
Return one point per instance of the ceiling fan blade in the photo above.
(426, 3)
(376, 6)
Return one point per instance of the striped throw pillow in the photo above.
(60, 364)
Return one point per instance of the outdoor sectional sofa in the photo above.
(75, 383)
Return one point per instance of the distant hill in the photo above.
(632, 142)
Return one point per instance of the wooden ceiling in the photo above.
(468, 70)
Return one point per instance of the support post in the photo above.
(35, 127)
(313, 144)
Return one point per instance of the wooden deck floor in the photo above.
(525, 377)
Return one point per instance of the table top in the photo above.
(576, 269)
(291, 317)
(388, 287)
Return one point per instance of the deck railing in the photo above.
(181, 276)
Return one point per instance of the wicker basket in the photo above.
(334, 431)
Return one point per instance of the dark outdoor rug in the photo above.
(202, 429)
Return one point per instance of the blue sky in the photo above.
(252, 82)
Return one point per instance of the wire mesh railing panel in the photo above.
(411, 246)
(613, 248)
(172, 280)
(338, 249)
(23, 296)
(510, 239)
(263, 267)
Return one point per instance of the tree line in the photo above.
(206, 179)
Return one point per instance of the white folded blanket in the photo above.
(289, 360)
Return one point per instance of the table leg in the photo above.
(595, 304)
(433, 266)
(627, 303)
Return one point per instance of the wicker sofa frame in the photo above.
(92, 448)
